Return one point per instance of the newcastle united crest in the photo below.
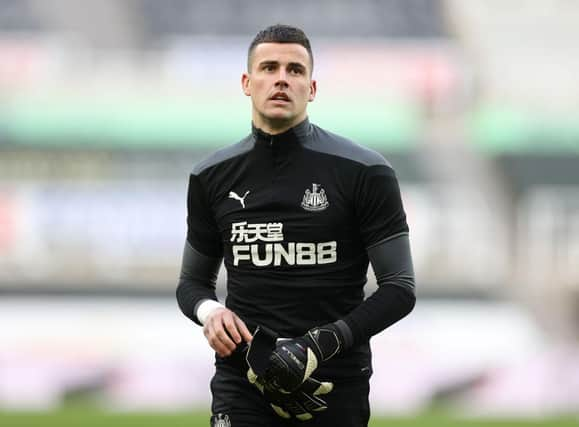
(220, 420)
(316, 199)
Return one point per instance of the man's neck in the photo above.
(275, 127)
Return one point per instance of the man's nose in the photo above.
(281, 78)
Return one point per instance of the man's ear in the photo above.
(246, 84)
(313, 90)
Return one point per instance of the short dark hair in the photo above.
(280, 33)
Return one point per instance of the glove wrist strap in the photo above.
(329, 340)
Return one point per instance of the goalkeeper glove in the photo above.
(302, 402)
(293, 361)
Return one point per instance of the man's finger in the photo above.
(242, 327)
(217, 345)
(231, 327)
(225, 339)
(212, 325)
(219, 339)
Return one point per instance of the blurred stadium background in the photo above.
(105, 106)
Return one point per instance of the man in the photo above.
(296, 213)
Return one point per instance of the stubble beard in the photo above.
(279, 124)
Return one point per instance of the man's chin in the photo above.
(279, 114)
(280, 119)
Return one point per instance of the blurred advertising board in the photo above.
(130, 233)
(70, 233)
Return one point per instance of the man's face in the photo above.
(280, 85)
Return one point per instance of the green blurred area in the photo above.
(201, 120)
(83, 409)
(187, 120)
(511, 130)
(91, 418)
(109, 121)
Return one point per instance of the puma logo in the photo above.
(233, 195)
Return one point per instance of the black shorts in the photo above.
(237, 403)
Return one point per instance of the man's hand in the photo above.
(292, 362)
(224, 330)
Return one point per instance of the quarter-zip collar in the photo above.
(291, 137)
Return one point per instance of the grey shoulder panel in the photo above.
(391, 260)
(224, 154)
(329, 143)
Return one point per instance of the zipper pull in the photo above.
(271, 141)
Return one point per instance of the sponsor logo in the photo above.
(293, 357)
(263, 245)
(233, 195)
(315, 200)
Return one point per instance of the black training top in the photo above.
(293, 216)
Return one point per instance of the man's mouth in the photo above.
(280, 96)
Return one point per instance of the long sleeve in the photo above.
(395, 296)
(196, 281)
(202, 254)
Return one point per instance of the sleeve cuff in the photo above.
(346, 333)
(205, 308)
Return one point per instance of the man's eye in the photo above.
(296, 71)
(268, 67)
